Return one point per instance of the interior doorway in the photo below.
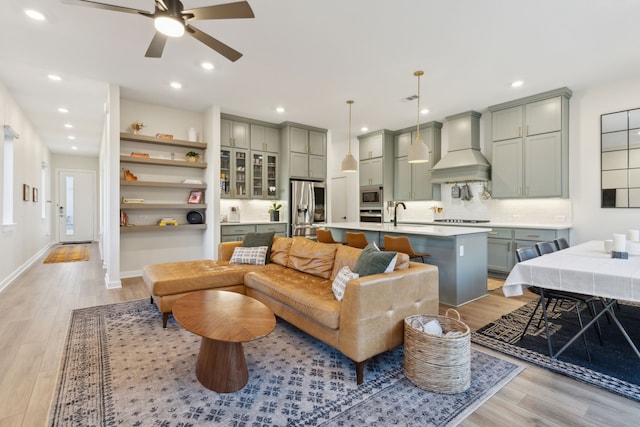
(75, 206)
(339, 199)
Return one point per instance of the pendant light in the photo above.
(349, 164)
(418, 151)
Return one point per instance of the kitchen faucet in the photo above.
(395, 212)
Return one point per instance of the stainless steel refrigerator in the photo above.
(307, 201)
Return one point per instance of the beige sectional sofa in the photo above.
(296, 286)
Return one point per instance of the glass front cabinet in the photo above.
(264, 173)
(234, 173)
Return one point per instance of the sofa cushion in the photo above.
(252, 240)
(280, 250)
(340, 282)
(255, 255)
(374, 261)
(306, 294)
(348, 256)
(186, 276)
(312, 257)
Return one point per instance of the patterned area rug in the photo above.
(68, 253)
(613, 366)
(120, 367)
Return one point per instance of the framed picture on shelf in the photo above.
(195, 197)
(26, 192)
(34, 196)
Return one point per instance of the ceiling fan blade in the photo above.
(224, 50)
(105, 6)
(156, 46)
(236, 10)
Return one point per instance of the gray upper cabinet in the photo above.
(531, 146)
(376, 160)
(413, 181)
(264, 138)
(304, 151)
(234, 134)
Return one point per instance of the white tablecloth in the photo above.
(583, 268)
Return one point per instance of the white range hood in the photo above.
(463, 162)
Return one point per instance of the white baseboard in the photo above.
(24, 267)
(129, 274)
(111, 284)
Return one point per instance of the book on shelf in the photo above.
(167, 222)
(145, 155)
(128, 200)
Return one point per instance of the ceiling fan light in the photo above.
(418, 152)
(169, 26)
(349, 163)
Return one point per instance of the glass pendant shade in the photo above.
(169, 26)
(418, 151)
(349, 164)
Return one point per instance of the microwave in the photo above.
(371, 196)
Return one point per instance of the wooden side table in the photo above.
(224, 320)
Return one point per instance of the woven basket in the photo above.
(437, 363)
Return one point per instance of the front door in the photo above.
(76, 206)
(339, 199)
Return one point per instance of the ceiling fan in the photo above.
(172, 20)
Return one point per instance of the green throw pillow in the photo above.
(373, 261)
(252, 240)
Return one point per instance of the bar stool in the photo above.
(402, 244)
(325, 236)
(356, 240)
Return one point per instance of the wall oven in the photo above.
(371, 215)
(371, 196)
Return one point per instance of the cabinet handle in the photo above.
(519, 130)
(527, 130)
(509, 246)
(493, 233)
(533, 235)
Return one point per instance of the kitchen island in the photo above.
(460, 253)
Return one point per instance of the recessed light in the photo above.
(176, 85)
(34, 14)
(74, 147)
(424, 111)
(517, 83)
(364, 129)
(63, 110)
(280, 110)
(54, 77)
(68, 125)
(71, 137)
(207, 66)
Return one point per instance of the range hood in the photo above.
(463, 162)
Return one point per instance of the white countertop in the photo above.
(493, 225)
(252, 222)
(425, 230)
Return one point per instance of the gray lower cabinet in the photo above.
(234, 232)
(503, 242)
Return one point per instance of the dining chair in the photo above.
(546, 296)
(325, 236)
(544, 248)
(402, 244)
(561, 243)
(356, 239)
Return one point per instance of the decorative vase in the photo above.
(275, 216)
(192, 135)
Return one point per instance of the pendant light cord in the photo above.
(350, 102)
(418, 73)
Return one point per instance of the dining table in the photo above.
(586, 269)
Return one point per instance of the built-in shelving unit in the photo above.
(162, 184)
(139, 228)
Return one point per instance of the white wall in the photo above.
(590, 221)
(22, 243)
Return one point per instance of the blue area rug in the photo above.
(120, 367)
(613, 366)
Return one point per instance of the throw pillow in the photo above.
(374, 261)
(340, 282)
(259, 239)
(255, 255)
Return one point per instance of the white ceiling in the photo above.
(310, 56)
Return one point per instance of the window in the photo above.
(7, 176)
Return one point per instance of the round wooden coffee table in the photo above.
(224, 320)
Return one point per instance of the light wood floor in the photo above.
(35, 314)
